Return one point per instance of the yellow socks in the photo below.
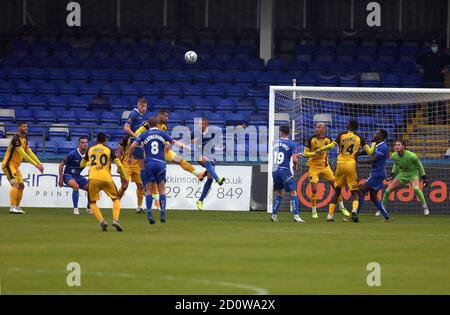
(355, 205)
(313, 200)
(331, 209)
(116, 209)
(97, 213)
(13, 196)
(140, 196)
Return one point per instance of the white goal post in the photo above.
(419, 116)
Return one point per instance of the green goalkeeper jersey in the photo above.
(407, 165)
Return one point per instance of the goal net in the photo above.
(419, 116)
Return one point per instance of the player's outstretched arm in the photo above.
(307, 153)
(32, 155)
(120, 169)
(28, 158)
(370, 150)
(327, 147)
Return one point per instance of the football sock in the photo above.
(331, 208)
(97, 213)
(313, 200)
(276, 204)
(210, 167)
(116, 209)
(421, 197)
(355, 205)
(140, 196)
(148, 202)
(75, 197)
(206, 189)
(295, 205)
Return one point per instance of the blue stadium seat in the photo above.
(109, 118)
(214, 90)
(47, 88)
(152, 63)
(152, 90)
(68, 88)
(73, 62)
(339, 66)
(174, 64)
(224, 77)
(181, 104)
(64, 147)
(47, 147)
(348, 79)
(235, 91)
(203, 77)
(4, 100)
(308, 79)
(10, 61)
(225, 105)
(388, 59)
(213, 64)
(359, 66)
(193, 90)
(161, 103)
(162, 76)
(44, 116)
(75, 133)
(25, 115)
(37, 101)
(173, 90)
(387, 51)
(26, 88)
(413, 80)
(366, 50)
(380, 66)
(88, 117)
(49, 62)
(130, 90)
(403, 67)
(29, 61)
(67, 117)
(79, 102)
(244, 77)
(18, 100)
(328, 80)
(254, 64)
(298, 65)
(234, 64)
(109, 89)
(18, 74)
(89, 89)
(391, 80)
(182, 76)
(57, 74)
(38, 74)
(100, 75)
(59, 103)
(79, 75)
(141, 76)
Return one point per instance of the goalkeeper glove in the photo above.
(424, 180)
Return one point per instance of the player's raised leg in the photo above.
(416, 186)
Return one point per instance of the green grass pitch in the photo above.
(222, 253)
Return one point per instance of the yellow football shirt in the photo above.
(99, 158)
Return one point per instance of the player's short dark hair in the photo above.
(101, 137)
(353, 124)
(142, 100)
(402, 141)
(384, 133)
(152, 122)
(285, 129)
(163, 111)
(83, 138)
(21, 122)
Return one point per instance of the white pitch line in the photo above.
(256, 290)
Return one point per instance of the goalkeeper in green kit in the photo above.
(407, 168)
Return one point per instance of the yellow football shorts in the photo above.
(13, 174)
(134, 173)
(346, 173)
(95, 186)
(323, 172)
